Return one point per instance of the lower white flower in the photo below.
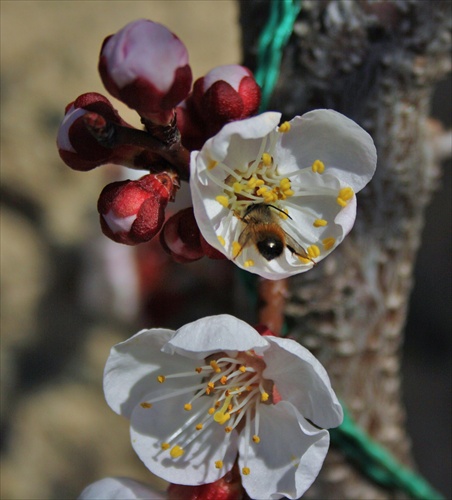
(120, 488)
(214, 389)
(278, 199)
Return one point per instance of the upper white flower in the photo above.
(278, 199)
(215, 388)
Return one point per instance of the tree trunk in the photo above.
(377, 63)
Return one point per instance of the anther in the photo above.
(221, 240)
(176, 451)
(246, 471)
(198, 369)
(145, 405)
(328, 243)
(215, 367)
(236, 248)
(256, 439)
(187, 407)
(165, 446)
(267, 159)
(313, 251)
(223, 200)
(212, 164)
(223, 380)
(320, 223)
(199, 427)
(219, 464)
(345, 194)
(161, 379)
(318, 167)
(249, 263)
(284, 127)
(264, 396)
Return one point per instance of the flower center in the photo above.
(231, 390)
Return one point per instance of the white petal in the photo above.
(63, 141)
(150, 427)
(132, 368)
(212, 334)
(289, 456)
(119, 488)
(301, 379)
(345, 148)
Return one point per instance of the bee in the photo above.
(264, 230)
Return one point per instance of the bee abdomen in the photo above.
(270, 247)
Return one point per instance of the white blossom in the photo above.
(278, 199)
(119, 488)
(216, 390)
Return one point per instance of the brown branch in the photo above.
(272, 304)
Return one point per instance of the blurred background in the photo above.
(69, 294)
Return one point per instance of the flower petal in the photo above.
(345, 148)
(222, 333)
(153, 426)
(288, 457)
(301, 379)
(131, 369)
(119, 488)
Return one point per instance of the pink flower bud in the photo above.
(225, 94)
(77, 147)
(133, 212)
(180, 237)
(146, 66)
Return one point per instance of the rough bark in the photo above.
(376, 62)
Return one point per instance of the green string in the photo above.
(377, 463)
(373, 460)
(272, 41)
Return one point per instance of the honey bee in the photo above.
(264, 230)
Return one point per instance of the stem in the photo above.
(111, 135)
(272, 302)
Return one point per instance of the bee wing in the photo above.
(296, 248)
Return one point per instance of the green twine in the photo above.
(272, 41)
(373, 460)
(377, 463)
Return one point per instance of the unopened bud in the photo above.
(133, 212)
(225, 94)
(146, 66)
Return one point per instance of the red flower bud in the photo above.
(133, 212)
(180, 237)
(146, 66)
(225, 94)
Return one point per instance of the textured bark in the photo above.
(376, 62)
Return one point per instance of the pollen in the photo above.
(212, 164)
(223, 200)
(313, 251)
(256, 439)
(249, 263)
(211, 411)
(328, 243)
(145, 405)
(304, 260)
(165, 446)
(264, 396)
(236, 248)
(320, 223)
(237, 187)
(267, 159)
(345, 194)
(318, 167)
(243, 368)
(161, 379)
(215, 367)
(198, 369)
(199, 427)
(246, 471)
(176, 451)
(187, 407)
(284, 127)
(219, 464)
(223, 380)
(228, 429)
(221, 240)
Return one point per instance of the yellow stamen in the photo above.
(187, 407)
(145, 405)
(256, 438)
(237, 187)
(212, 164)
(223, 200)
(215, 367)
(222, 416)
(248, 263)
(243, 368)
(223, 379)
(219, 464)
(318, 167)
(313, 251)
(304, 260)
(236, 249)
(345, 194)
(199, 427)
(161, 379)
(284, 127)
(176, 451)
(246, 471)
(228, 430)
(221, 240)
(267, 159)
(328, 243)
(264, 396)
(165, 446)
(320, 223)
(198, 369)
(211, 411)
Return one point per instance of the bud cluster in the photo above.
(146, 66)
